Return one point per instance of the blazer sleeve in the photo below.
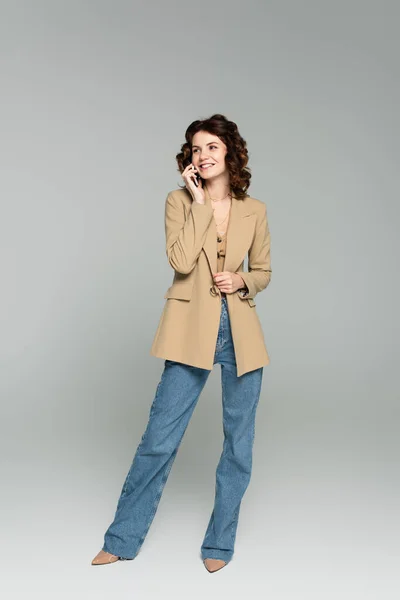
(185, 237)
(259, 274)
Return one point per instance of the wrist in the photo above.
(242, 284)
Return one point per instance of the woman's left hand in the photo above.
(228, 282)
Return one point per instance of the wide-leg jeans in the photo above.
(175, 399)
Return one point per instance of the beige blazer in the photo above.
(188, 328)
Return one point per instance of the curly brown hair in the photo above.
(236, 157)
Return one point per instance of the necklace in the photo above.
(218, 224)
(227, 215)
(217, 199)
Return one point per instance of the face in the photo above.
(208, 149)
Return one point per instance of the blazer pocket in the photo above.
(179, 292)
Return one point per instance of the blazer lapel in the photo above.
(239, 236)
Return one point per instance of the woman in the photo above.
(209, 317)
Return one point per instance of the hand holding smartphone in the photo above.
(196, 175)
(192, 179)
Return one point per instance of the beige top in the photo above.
(221, 249)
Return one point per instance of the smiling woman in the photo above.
(209, 317)
(219, 142)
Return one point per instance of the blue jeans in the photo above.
(175, 399)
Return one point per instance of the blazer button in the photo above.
(219, 239)
(212, 291)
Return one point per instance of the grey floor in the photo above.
(319, 519)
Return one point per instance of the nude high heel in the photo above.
(104, 558)
(214, 564)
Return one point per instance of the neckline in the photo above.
(229, 220)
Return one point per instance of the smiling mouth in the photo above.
(207, 166)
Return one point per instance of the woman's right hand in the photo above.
(188, 176)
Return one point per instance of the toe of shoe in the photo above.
(213, 564)
(104, 558)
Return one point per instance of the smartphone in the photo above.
(196, 179)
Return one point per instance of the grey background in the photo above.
(95, 100)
